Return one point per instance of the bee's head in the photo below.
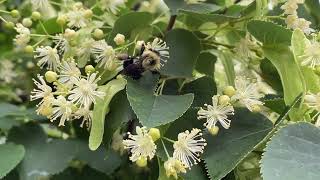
(150, 60)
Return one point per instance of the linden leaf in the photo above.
(155, 110)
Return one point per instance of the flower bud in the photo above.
(154, 133)
(88, 13)
(89, 69)
(256, 108)
(142, 162)
(224, 99)
(139, 45)
(28, 49)
(78, 5)
(214, 130)
(98, 34)
(27, 22)
(119, 39)
(30, 65)
(61, 20)
(15, 13)
(50, 76)
(35, 15)
(9, 25)
(69, 33)
(229, 91)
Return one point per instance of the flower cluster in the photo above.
(311, 55)
(245, 92)
(187, 149)
(292, 19)
(313, 101)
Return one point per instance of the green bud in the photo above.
(88, 14)
(27, 22)
(9, 25)
(142, 162)
(35, 15)
(50, 76)
(229, 91)
(214, 130)
(89, 69)
(224, 99)
(61, 20)
(28, 49)
(154, 133)
(15, 13)
(98, 34)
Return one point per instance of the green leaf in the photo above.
(203, 18)
(298, 44)
(229, 147)
(203, 89)
(269, 33)
(120, 112)
(7, 109)
(11, 155)
(42, 157)
(50, 26)
(184, 51)
(126, 24)
(101, 108)
(205, 63)
(293, 153)
(177, 5)
(226, 58)
(155, 110)
(7, 123)
(292, 81)
(103, 160)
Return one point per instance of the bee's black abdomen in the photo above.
(133, 70)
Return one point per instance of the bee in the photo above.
(146, 60)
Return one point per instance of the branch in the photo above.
(171, 22)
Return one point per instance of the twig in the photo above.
(171, 22)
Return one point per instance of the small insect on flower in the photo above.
(173, 167)
(62, 109)
(85, 91)
(48, 56)
(140, 145)
(216, 113)
(247, 93)
(160, 48)
(189, 146)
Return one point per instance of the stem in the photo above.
(165, 149)
(36, 44)
(44, 29)
(7, 12)
(3, 19)
(56, 3)
(167, 139)
(171, 22)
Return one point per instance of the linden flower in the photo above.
(62, 43)
(188, 147)
(86, 115)
(84, 50)
(85, 90)
(247, 93)
(290, 7)
(140, 145)
(43, 90)
(173, 167)
(104, 54)
(216, 113)
(7, 73)
(304, 25)
(112, 5)
(68, 70)
(40, 4)
(313, 101)
(61, 109)
(48, 56)
(23, 37)
(311, 55)
(77, 18)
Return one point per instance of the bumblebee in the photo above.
(146, 60)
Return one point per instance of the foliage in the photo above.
(159, 89)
